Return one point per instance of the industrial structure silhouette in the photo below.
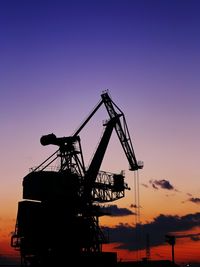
(58, 218)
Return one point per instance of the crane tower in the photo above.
(58, 218)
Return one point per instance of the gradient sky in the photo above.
(56, 58)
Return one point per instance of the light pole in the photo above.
(171, 239)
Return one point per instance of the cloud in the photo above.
(114, 210)
(194, 237)
(133, 238)
(145, 185)
(133, 206)
(164, 184)
(194, 200)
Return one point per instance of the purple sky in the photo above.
(56, 57)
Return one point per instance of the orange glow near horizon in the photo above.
(185, 251)
(7, 252)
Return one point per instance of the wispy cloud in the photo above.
(163, 184)
(133, 206)
(114, 210)
(145, 185)
(194, 237)
(194, 200)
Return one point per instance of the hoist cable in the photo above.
(137, 213)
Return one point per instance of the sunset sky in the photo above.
(56, 58)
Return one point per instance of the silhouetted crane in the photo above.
(58, 218)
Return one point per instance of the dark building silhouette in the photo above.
(146, 263)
